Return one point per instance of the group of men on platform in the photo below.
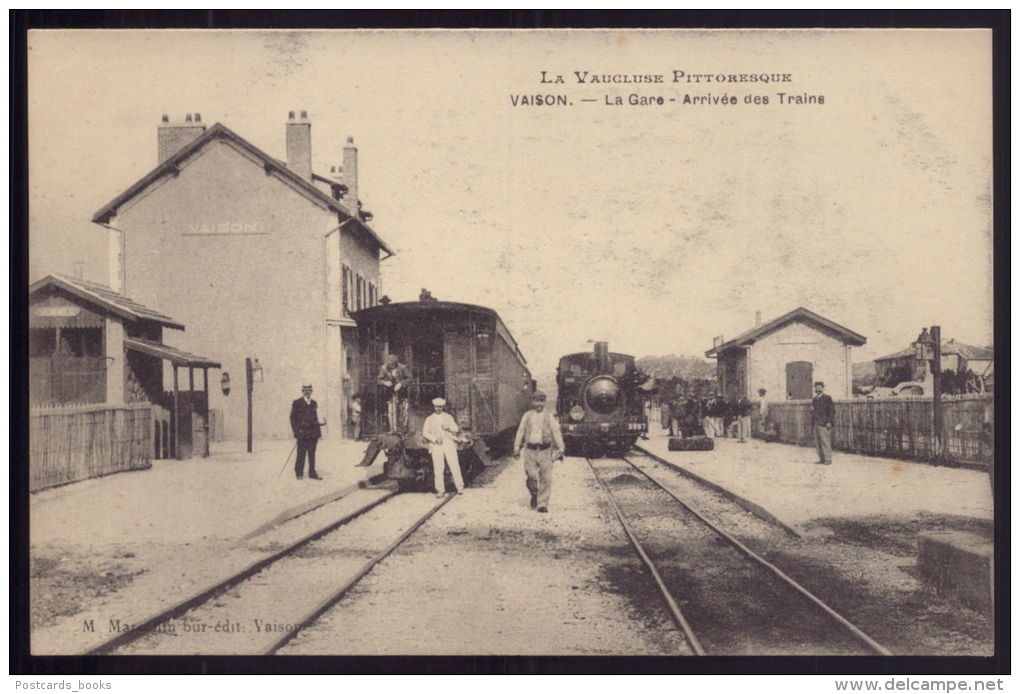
(716, 417)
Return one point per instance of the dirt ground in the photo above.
(488, 575)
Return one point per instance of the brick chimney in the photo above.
(350, 174)
(757, 319)
(172, 137)
(299, 144)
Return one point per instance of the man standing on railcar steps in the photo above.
(441, 433)
(394, 377)
(823, 413)
(306, 425)
(540, 438)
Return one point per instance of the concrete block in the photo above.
(958, 563)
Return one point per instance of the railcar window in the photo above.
(619, 368)
(483, 353)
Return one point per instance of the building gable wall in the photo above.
(238, 256)
(798, 341)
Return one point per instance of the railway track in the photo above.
(747, 606)
(262, 586)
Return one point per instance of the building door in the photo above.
(798, 380)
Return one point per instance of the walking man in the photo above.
(441, 433)
(540, 438)
(306, 425)
(395, 377)
(823, 413)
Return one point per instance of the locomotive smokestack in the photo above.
(602, 357)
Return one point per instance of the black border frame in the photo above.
(20, 21)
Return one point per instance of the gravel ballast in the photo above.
(488, 575)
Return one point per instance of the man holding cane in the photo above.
(306, 425)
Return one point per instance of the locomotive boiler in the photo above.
(460, 352)
(600, 401)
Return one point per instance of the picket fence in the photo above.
(69, 443)
(899, 427)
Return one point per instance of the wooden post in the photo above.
(936, 405)
(205, 389)
(248, 383)
(177, 416)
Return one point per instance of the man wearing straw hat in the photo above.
(539, 437)
(441, 433)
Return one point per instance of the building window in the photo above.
(361, 293)
(371, 294)
(345, 289)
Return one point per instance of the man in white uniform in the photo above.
(441, 433)
(540, 438)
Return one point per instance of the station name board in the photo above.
(228, 228)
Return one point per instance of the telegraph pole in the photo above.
(248, 381)
(936, 374)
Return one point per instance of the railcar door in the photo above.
(459, 368)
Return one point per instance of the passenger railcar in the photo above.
(600, 401)
(460, 352)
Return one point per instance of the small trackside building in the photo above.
(261, 258)
(786, 356)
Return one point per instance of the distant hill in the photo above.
(864, 370)
(683, 366)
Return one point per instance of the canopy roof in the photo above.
(177, 357)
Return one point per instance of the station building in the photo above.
(262, 258)
(786, 356)
(91, 345)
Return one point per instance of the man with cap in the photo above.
(539, 437)
(441, 433)
(306, 425)
(823, 413)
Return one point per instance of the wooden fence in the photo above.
(900, 426)
(70, 443)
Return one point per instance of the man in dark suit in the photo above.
(823, 414)
(305, 423)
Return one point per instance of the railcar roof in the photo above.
(386, 310)
(578, 355)
(393, 311)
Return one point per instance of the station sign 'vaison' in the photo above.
(230, 228)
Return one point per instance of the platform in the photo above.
(958, 563)
(228, 495)
(785, 482)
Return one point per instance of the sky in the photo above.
(655, 227)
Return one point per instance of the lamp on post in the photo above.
(253, 374)
(928, 348)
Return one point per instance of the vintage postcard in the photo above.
(511, 342)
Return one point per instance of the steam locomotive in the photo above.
(600, 401)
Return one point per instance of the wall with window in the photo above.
(360, 274)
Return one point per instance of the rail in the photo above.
(147, 625)
(667, 596)
(764, 563)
